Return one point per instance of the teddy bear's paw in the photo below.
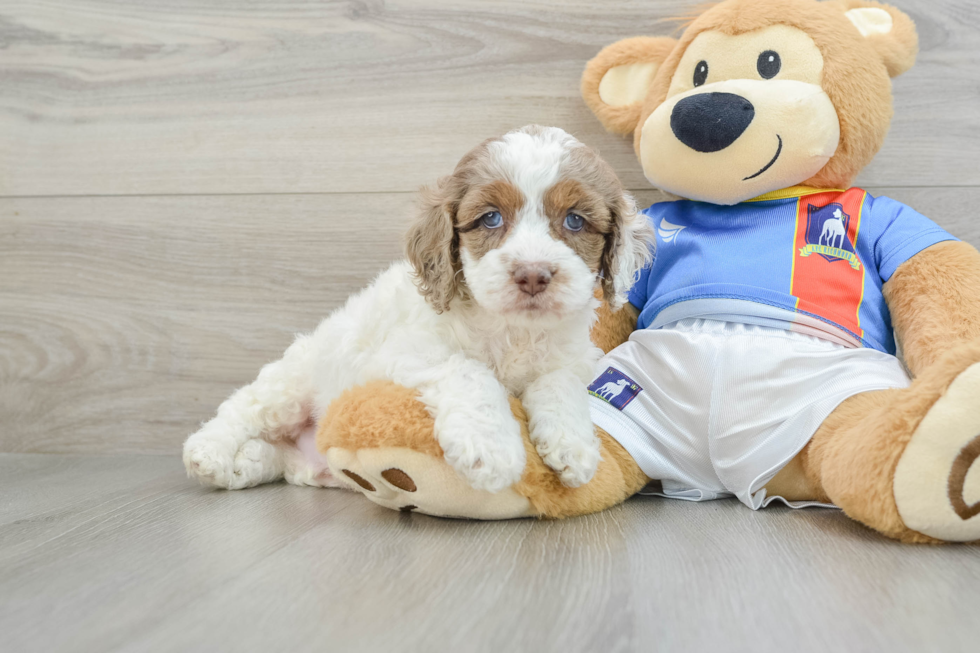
(403, 479)
(937, 480)
(571, 449)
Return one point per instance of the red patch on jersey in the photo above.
(828, 275)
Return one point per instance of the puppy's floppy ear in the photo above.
(431, 244)
(615, 82)
(629, 248)
(889, 31)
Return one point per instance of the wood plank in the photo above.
(136, 540)
(126, 321)
(147, 561)
(129, 319)
(123, 97)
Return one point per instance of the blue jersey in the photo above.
(803, 259)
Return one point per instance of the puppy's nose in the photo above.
(532, 279)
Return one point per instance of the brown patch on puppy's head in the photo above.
(611, 233)
(498, 195)
(570, 198)
(525, 226)
(432, 242)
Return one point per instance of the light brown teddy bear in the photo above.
(757, 356)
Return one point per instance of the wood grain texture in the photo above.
(185, 185)
(129, 319)
(197, 96)
(121, 553)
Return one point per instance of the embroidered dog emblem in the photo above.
(615, 388)
(826, 234)
(834, 233)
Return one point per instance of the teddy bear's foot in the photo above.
(404, 479)
(937, 480)
(378, 440)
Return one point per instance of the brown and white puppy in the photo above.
(497, 298)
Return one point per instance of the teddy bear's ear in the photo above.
(889, 31)
(616, 81)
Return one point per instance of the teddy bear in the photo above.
(795, 338)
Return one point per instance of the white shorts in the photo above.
(715, 409)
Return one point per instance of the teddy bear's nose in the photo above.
(708, 122)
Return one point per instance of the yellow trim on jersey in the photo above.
(793, 191)
(792, 272)
(864, 274)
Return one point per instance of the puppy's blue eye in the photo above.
(574, 222)
(492, 220)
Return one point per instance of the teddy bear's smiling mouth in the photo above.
(779, 150)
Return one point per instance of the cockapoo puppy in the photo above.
(497, 297)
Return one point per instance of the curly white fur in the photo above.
(464, 361)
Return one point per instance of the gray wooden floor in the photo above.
(120, 553)
(186, 184)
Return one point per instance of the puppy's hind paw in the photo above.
(257, 462)
(214, 465)
(209, 463)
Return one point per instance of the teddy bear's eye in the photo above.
(768, 64)
(700, 73)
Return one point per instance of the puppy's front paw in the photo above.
(489, 454)
(568, 447)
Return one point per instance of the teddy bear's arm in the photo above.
(934, 299)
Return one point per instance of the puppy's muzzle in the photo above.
(532, 278)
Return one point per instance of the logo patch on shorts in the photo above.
(615, 388)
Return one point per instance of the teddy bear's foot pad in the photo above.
(937, 480)
(403, 479)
